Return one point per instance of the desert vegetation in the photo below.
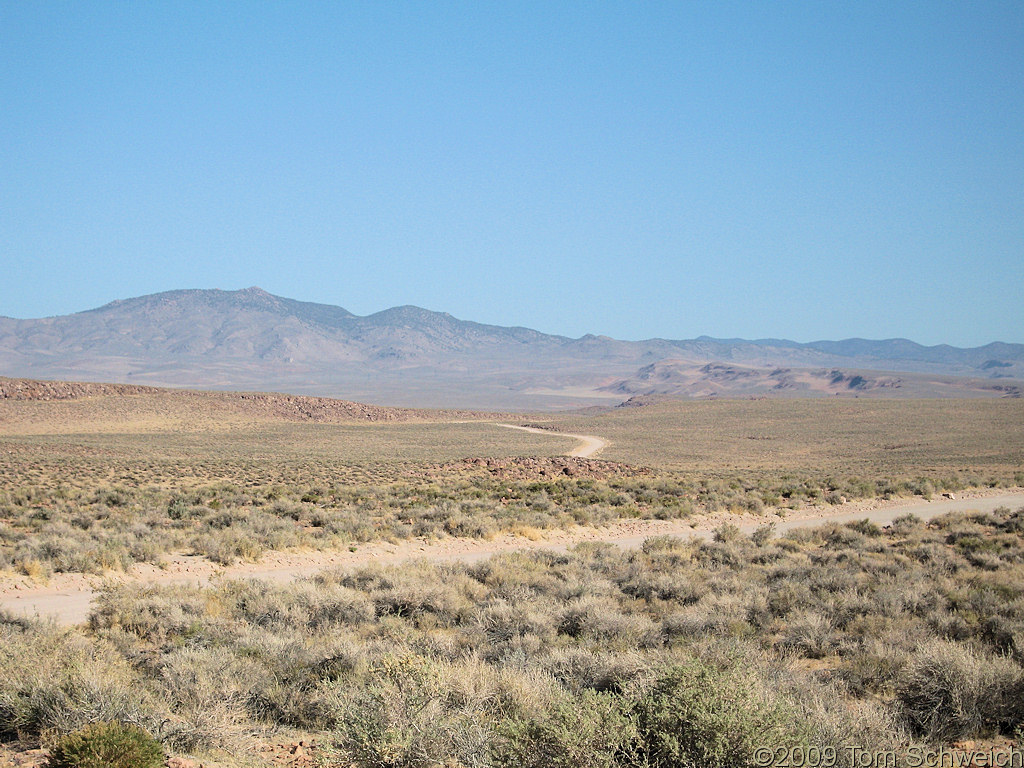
(76, 496)
(842, 437)
(685, 652)
(56, 528)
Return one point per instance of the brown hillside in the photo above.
(30, 389)
(131, 402)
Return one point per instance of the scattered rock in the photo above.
(29, 389)
(294, 754)
(13, 755)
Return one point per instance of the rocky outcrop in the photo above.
(30, 389)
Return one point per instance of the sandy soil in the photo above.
(590, 445)
(67, 597)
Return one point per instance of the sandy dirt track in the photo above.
(590, 445)
(67, 597)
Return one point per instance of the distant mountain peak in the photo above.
(409, 313)
(256, 293)
(251, 338)
(257, 298)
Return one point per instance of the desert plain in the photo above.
(266, 579)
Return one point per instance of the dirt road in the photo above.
(67, 597)
(590, 445)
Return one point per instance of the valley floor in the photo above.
(68, 597)
(259, 587)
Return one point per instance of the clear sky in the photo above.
(757, 169)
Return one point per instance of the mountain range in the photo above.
(252, 340)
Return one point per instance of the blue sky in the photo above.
(800, 170)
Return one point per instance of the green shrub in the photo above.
(727, 532)
(407, 713)
(584, 731)
(107, 745)
(865, 527)
(763, 534)
(701, 716)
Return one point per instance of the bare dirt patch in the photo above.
(590, 445)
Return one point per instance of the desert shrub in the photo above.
(423, 592)
(209, 690)
(751, 503)
(600, 620)
(834, 498)
(852, 728)
(402, 714)
(107, 745)
(949, 691)
(588, 730)
(922, 487)
(226, 546)
(471, 526)
(937, 558)
(681, 587)
(727, 532)
(715, 554)
(812, 634)
(1013, 522)
(147, 613)
(698, 714)
(503, 623)
(763, 534)
(578, 669)
(865, 527)
(906, 524)
(494, 652)
(58, 680)
(664, 544)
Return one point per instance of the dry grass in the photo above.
(79, 497)
(684, 652)
(844, 635)
(266, 453)
(845, 437)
